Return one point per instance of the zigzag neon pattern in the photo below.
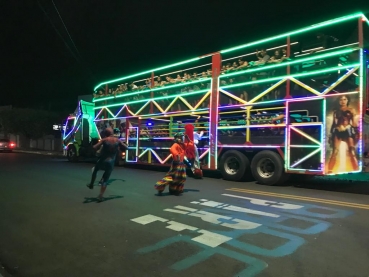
(168, 157)
(178, 99)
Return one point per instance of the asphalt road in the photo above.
(51, 225)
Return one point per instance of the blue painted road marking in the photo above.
(252, 216)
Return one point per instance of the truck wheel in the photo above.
(268, 168)
(233, 165)
(72, 154)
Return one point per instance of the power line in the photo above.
(66, 28)
(78, 57)
(56, 30)
(75, 47)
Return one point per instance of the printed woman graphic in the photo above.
(344, 129)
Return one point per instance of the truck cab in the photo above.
(81, 134)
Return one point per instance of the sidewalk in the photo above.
(40, 152)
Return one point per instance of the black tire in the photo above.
(72, 154)
(267, 167)
(233, 165)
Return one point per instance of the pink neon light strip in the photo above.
(250, 146)
(74, 127)
(287, 138)
(204, 154)
(168, 157)
(305, 170)
(252, 126)
(156, 155)
(300, 99)
(125, 106)
(99, 113)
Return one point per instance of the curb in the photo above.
(45, 153)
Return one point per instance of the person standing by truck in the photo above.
(191, 151)
(109, 149)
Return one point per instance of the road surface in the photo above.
(51, 225)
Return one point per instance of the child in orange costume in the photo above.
(176, 176)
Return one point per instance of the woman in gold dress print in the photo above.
(343, 129)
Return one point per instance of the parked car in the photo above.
(6, 145)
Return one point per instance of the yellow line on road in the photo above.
(303, 198)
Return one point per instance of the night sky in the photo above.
(41, 67)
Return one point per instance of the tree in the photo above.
(31, 123)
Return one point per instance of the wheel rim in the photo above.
(72, 153)
(231, 165)
(265, 168)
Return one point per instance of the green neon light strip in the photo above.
(292, 75)
(149, 90)
(289, 63)
(315, 26)
(158, 98)
(147, 72)
(366, 19)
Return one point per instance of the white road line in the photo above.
(185, 208)
(268, 203)
(207, 238)
(249, 211)
(241, 224)
(146, 219)
(223, 206)
(176, 226)
(175, 211)
(208, 203)
(213, 218)
(211, 239)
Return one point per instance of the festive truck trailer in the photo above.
(292, 104)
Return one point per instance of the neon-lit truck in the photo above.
(292, 104)
(80, 134)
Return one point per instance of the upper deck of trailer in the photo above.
(311, 53)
